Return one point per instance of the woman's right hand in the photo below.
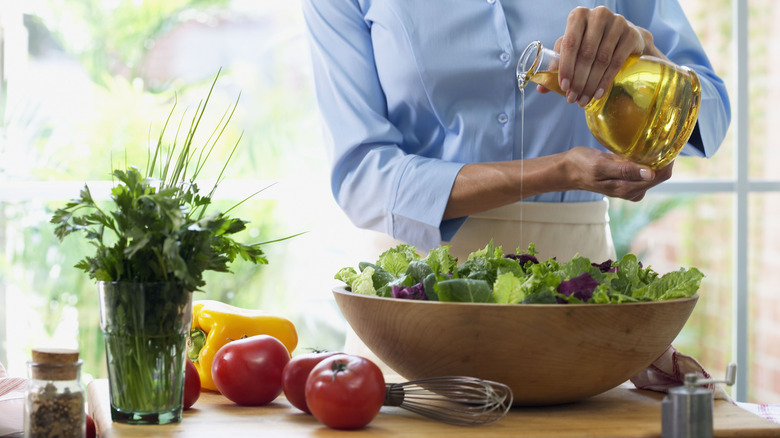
(609, 174)
(594, 46)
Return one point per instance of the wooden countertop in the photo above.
(624, 411)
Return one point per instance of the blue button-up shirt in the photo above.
(411, 90)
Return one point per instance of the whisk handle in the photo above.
(394, 394)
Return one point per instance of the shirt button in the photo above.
(491, 1)
(502, 118)
(504, 57)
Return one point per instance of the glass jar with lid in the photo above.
(54, 399)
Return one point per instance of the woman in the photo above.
(423, 117)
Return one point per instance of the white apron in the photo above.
(559, 230)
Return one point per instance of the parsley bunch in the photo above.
(159, 229)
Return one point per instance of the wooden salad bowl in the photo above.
(547, 353)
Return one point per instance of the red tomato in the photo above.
(191, 385)
(91, 431)
(248, 371)
(294, 377)
(345, 391)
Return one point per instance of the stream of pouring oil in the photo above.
(522, 155)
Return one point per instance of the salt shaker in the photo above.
(686, 411)
(54, 399)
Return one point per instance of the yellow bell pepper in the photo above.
(214, 324)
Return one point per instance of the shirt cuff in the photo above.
(422, 193)
(711, 125)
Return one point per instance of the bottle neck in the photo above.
(528, 64)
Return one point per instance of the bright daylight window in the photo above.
(82, 88)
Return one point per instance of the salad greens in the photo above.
(490, 276)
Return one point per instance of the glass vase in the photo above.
(145, 329)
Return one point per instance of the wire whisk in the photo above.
(459, 400)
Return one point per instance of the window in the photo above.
(727, 223)
(80, 89)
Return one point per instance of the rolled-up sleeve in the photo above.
(376, 183)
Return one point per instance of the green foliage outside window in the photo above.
(110, 120)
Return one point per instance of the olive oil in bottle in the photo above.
(646, 116)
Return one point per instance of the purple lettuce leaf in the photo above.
(415, 292)
(581, 286)
(523, 258)
(605, 266)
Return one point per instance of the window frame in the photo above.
(742, 187)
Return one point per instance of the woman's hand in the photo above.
(609, 174)
(593, 48)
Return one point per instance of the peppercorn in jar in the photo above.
(54, 402)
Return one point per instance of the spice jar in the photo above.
(54, 402)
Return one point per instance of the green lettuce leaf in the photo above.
(380, 278)
(440, 260)
(464, 290)
(544, 297)
(508, 289)
(347, 275)
(418, 270)
(488, 252)
(429, 285)
(541, 278)
(396, 260)
(363, 283)
(675, 284)
(576, 266)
